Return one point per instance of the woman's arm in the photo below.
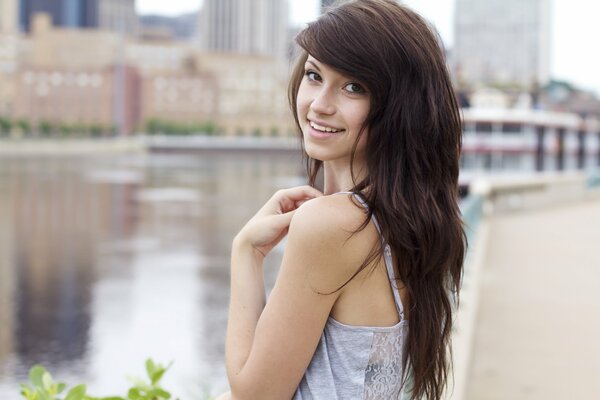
(270, 345)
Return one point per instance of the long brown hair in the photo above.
(413, 150)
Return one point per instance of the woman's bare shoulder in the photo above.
(325, 231)
(333, 216)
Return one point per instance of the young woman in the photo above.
(364, 296)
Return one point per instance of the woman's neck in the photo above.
(338, 178)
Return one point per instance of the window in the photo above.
(511, 128)
(483, 128)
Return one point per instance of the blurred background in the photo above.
(138, 136)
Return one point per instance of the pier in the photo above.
(528, 323)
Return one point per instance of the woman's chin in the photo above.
(314, 153)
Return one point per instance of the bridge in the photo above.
(529, 318)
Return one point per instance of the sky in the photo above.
(574, 57)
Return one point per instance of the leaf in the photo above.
(134, 394)
(61, 387)
(43, 394)
(157, 376)
(160, 393)
(77, 393)
(159, 373)
(35, 375)
(47, 381)
(27, 392)
(150, 367)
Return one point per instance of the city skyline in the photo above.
(503, 42)
(573, 21)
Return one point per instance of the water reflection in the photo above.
(105, 261)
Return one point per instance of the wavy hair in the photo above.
(413, 149)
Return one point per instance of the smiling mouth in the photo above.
(323, 128)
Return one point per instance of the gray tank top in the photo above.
(358, 362)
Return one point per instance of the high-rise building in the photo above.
(245, 26)
(502, 42)
(114, 15)
(66, 13)
(118, 16)
(8, 16)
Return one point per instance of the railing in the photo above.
(593, 179)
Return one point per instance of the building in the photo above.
(9, 23)
(257, 27)
(251, 94)
(181, 27)
(64, 81)
(67, 13)
(114, 15)
(514, 141)
(8, 70)
(118, 16)
(8, 16)
(503, 43)
(61, 84)
(184, 97)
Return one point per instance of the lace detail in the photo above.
(383, 375)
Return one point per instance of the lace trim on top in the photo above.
(383, 375)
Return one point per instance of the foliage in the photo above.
(24, 125)
(46, 128)
(43, 387)
(156, 126)
(5, 126)
(256, 132)
(96, 130)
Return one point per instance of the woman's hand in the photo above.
(270, 224)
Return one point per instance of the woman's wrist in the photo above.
(242, 246)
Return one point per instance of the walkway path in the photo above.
(537, 334)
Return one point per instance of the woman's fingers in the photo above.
(292, 198)
(271, 223)
(301, 192)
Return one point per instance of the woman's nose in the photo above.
(323, 102)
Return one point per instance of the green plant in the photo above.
(96, 130)
(153, 126)
(46, 128)
(65, 129)
(43, 387)
(150, 391)
(24, 125)
(5, 126)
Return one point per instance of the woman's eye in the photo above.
(354, 88)
(312, 76)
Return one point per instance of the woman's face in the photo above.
(331, 110)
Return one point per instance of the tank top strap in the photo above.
(387, 257)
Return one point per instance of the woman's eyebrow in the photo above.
(313, 64)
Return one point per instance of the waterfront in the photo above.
(106, 260)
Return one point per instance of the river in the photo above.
(108, 260)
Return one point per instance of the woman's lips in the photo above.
(323, 127)
(319, 131)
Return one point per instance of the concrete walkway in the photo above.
(537, 332)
